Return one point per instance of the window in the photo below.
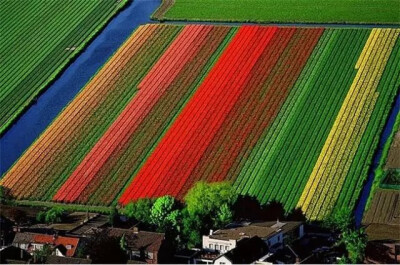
(216, 246)
(221, 247)
(222, 263)
(226, 247)
(211, 246)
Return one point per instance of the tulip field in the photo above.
(39, 39)
(284, 113)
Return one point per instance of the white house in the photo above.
(274, 235)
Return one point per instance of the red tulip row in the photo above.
(155, 89)
(169, 166)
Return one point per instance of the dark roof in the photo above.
(264, 230)
(284, 226)
(186, 253)
(12, 253)
(66, 260)
(88, 228)
(23, 238)
(247, 251)
(149, 241)
(73, 221)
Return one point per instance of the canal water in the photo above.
(377, 156)
(33, 122)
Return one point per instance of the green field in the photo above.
(325, 11)
(39, 38)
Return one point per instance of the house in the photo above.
(149, 247)
(14, 255)
(248, 250)
(274, 234)
(62, 245)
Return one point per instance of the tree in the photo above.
(296, 215)
(355, 242)
(192, 228)
(122, 243)
(3, 196)
(224, 216)
(112, 216)
(340, 220)
(139, 210)
(54, 215)
(41, 216)
(42, 254)
(206, 198)
(161, 212)
(208, 206)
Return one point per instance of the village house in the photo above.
(218, 247)
(63, 246)
(144, 246)
(274, 234)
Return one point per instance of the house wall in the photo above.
(212, 244)
(275, 239)
(301, 231)
(222, 261)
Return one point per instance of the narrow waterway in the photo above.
(359, 211)
(35, 120)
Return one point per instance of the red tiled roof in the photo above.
(58, 240)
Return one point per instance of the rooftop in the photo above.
(70, 243)
(151, 241)
(247, 251)
(238, 231)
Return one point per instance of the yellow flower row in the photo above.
(334, 161)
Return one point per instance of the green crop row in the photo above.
(41, 40)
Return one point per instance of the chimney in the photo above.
(211, 232)
(135, 230)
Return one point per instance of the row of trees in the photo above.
(207, 206)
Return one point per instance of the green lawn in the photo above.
(38, 39)
(319, 11)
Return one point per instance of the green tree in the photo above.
(224, 216)
(41, 216)
(139, 210)
(340, 220)
(208, 206)
(355, 242)
(206, 198)
(192, 228)
(123, 244)
(162, 212)
(42, 254)
(112, 217)
(2, 195)
(54, 215)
